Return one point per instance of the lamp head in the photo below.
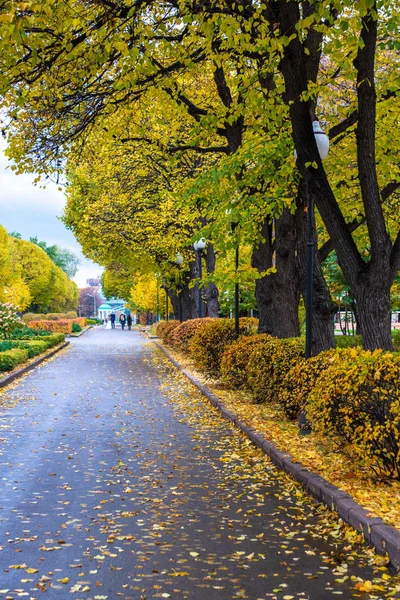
(200, 244)
(179, 259)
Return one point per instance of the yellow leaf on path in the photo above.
(30, 570)
(17, 566)
(64, 580)
(194, 554)
(179, 574)
(250, 556)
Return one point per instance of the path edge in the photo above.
(7, 379)
(383, 537)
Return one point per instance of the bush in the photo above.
(396, 340)
(181, 335)
(94, 321)
(27, 317)
(71, 314)
(76, 328)
(356, 403)
(54, 326)
(55, 339)
(165, 330)
(81, 321)
(300, 381)
(209, 343)
(12, 358)
(348, 341)
(9, 319)
(268, 364)
(236, 357)
(25, 333)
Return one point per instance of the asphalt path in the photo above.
(119, 481)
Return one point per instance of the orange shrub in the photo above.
(64, 326)
(82, 321)
(181, 335)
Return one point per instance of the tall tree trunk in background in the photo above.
(278, 294)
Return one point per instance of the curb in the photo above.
(384, 538)
(7, 379)
(75, 335)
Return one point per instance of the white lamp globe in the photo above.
(322, 140)
(200, 244)
(179, 259)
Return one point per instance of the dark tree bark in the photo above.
(211, 291)
(277, 294)
(370, 282)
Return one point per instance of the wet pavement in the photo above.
(119, 481)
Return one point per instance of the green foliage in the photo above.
(209, 343)
(356, 405)
(66, 260)
(396, 340)
(235, 358)
(26, 333)
(348, 341)
(268, 364)
(76, 328)
(181, 335)
(12, 358)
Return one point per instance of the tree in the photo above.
(61, 257)
(89, 298)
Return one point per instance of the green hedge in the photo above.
(26, 333)
(12, 358)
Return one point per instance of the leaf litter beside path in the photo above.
(381, 498)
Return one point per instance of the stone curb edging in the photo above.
(7, 379)
(384, 538)
(75, 335)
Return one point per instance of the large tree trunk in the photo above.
(277, 294)
(370, 281)
(323, 308)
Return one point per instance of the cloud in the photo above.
(35, 212)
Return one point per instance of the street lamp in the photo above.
(233, 227)
(199, 247)
(322, 141)
(178, 262)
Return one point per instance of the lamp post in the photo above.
(233, 227)
(178, 262)
(322, 141)
(199, 247)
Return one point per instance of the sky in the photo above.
(34, 212)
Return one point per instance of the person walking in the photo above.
(112, 319)
(122, 320)
(129, 322)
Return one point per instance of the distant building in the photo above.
(93, 282)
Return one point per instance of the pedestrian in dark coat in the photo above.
(122, 320)
(129, 321)
(112, 319)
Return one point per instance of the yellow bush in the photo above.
(209, 343)
(165, 330)
(268, 364)
(82, 321)
(356, 403)
(181, 335)
(300, 381)
(235, 358)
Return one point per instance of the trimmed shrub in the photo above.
(53, 326)
(356, 403)
(27, 317)
(236, 357)
(81, 321)
(25, 333)
(268, 364)
(76, 328)
(300, 381)
(55, 339)
(181, 335)
(12, 358)
(71, 314)
(348, 341)
(160, 326)
(209, 343)
(166, 330)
